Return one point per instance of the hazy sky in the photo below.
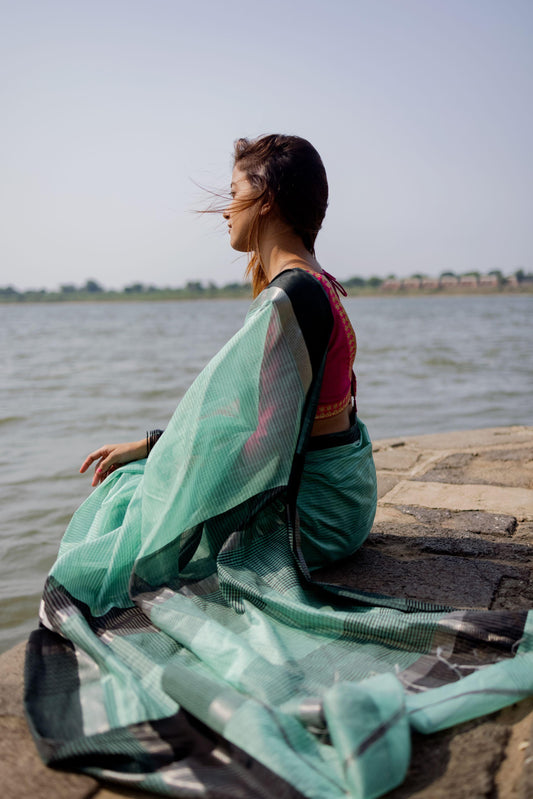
(111, 110)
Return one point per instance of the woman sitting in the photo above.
(279, 196)
(182, 642)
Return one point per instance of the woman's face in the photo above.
(240, 218)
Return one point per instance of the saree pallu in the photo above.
(184, 647)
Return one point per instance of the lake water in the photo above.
(75, 376)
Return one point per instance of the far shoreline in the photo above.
(243, 293)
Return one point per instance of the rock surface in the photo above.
(454, 525)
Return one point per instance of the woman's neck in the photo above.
(282, 249)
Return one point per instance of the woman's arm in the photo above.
(110, 456)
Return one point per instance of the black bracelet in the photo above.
(152, 437)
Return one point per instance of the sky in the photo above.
(116, 112)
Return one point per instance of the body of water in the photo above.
(76, 376)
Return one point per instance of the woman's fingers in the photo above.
(100, 473)
(110, 456)
(109, 460)
(94, 456)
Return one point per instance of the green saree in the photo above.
(184, 647)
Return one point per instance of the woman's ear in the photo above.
(268, 204)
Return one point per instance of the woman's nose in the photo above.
(225, 213)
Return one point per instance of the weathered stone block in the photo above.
(494, 467)
(516, 502)
(470, 521)
(448, 580)
(23, 775)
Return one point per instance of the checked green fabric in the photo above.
(184, 648)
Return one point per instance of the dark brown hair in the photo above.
(288, 172)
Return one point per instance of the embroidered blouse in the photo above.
(338, 380)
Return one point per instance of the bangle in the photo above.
(152, 437)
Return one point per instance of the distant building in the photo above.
(448, 281)
(391, 285)
(468, 281)
(411, 283)
(489, 281)
(430, 283)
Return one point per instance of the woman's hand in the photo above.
(112, 455)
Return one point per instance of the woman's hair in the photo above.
(288, 172)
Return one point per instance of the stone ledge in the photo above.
(462, 440)
(517, 502)
(22, 773)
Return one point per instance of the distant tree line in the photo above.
(92, 289)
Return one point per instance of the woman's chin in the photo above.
(237, 245)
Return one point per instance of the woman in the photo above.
(183, 646)
(279, 196)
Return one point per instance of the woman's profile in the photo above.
(185, 646)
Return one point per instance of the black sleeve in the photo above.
(312, 310)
